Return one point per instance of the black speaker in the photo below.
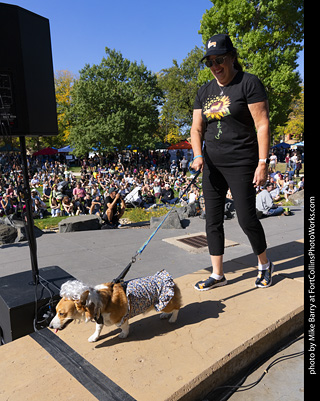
(27, 94)
(18, 308)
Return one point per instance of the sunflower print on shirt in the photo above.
(215, 108)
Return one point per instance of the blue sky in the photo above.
(155, 32)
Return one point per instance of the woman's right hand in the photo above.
(197, 164)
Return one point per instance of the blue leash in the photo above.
(139, 251)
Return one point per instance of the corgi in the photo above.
(115, 303)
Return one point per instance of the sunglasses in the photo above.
(217, 60)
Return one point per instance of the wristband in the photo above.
(197, 157)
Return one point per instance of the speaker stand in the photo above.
(29, 215)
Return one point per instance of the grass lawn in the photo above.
(282, 168)
(134, 215)
(74, 169)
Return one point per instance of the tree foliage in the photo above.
(295, 124)
(63, 81)
(268, 36)
(179, 84)
(115, 104)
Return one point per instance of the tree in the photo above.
(179, 85)
(63, 81)
(115, 104)
(268, 36)
(295, 125)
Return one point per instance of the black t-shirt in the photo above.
(87, 203)
(167, 194)
(230, 135)
(110, 200)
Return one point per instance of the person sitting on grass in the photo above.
(40, 209)
(79, 191)
(6, 205)
(264, 202)
(35, 182)
(289, 189)
(87, 203)
(193, 194)
(57, 193)
(55, 207)
(114, 208)
(96, 206)
(148, 199)
(67, 206)
(78, 206)
(167, 195)
(46, 191)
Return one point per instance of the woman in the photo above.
(287, 160)
(55, 207)
(67, 206)
(298, 165)
(79, 191)
(6, 205)
(57, 193)
(231, 117)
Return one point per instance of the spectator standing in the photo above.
(298, 165)
(173, 168)
(293, 161)
(287, 160)
(273, 162)
(184, 165)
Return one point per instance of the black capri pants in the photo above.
(215, 184)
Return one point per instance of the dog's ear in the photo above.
(84, 297)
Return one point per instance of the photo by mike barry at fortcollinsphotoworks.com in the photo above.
(310, 290)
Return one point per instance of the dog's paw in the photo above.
(93, 338)
(165, 315)
(174, 316)
(172, 319)
(123, 334)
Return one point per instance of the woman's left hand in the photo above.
(260, 175)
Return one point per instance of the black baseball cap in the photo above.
(217, 45)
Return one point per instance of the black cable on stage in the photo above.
(240, 388)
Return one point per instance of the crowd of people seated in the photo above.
(104, 186)
(107, 185)
(278, 186)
